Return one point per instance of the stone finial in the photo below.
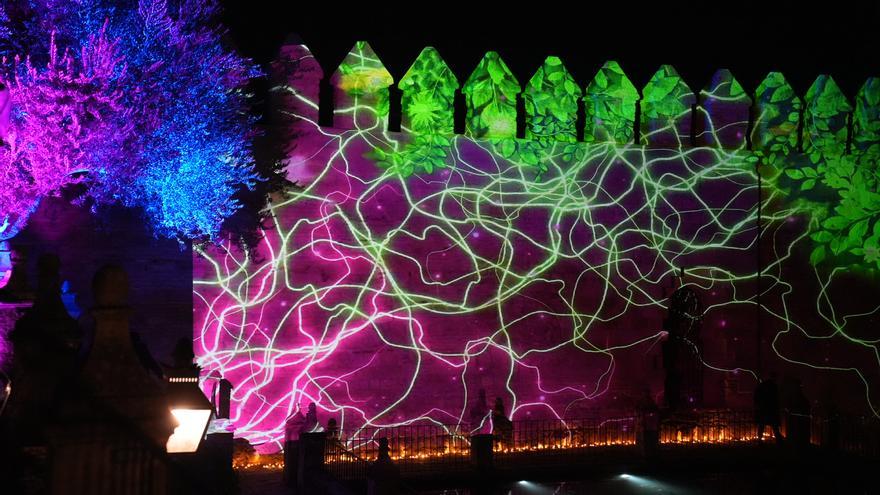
(110, 286)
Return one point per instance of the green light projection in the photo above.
(551, 103)
(428, 89)
(413, 269)
(866, 121)
(774, 133)
(490, 93)
(610, 106)
(666, 109)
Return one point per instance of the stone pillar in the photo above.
(111, 426)
(383, 477)
(223, 398)
(310, 459)
(481, 452)
(291, 463)
(112, 370)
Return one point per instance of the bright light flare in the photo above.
(190, 430)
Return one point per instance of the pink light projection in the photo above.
(388, 301)
(409, 271)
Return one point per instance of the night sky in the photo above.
(799, 39)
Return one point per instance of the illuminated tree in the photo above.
(173, 135)
(69, 120)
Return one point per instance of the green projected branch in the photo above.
(414, 269)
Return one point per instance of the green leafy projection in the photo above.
(725, 87)
(424, 154)
(778, 109)
(535, 154)
(428, 89)
(851, 229)
(363, 77)
(825, 125)
(722, 118)
(610, 106)
(490, 94)
(840, 192)
(866, 120)
(666, 105)
(666, 95)
(551, 103)
(842, 198)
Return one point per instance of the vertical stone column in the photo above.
(481, 453)
(310, 459)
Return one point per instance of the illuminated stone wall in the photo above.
(411, 269)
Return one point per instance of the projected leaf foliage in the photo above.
(610, 106)
(414, 269)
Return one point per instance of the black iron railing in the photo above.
(433, 448)
(720, 426)
(413, 448)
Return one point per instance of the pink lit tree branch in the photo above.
(68, 125)
(140, 102)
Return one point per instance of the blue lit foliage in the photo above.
(190, 147)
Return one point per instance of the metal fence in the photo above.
(429, 449)
(415, 449)
(856, 435)
(719, 426)
(566, 434)
(547, 442)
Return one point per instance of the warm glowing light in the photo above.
(190, 430)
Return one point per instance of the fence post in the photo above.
(310, 459)
(481, 452)
(291, 463)
(831, 432)
(383, 476)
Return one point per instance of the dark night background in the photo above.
(801, 39)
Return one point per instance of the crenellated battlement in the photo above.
(538, 255)
(666, 113)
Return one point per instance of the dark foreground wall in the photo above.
(160, 271)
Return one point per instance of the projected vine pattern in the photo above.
(412, 270)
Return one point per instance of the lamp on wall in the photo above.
(192, 410)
